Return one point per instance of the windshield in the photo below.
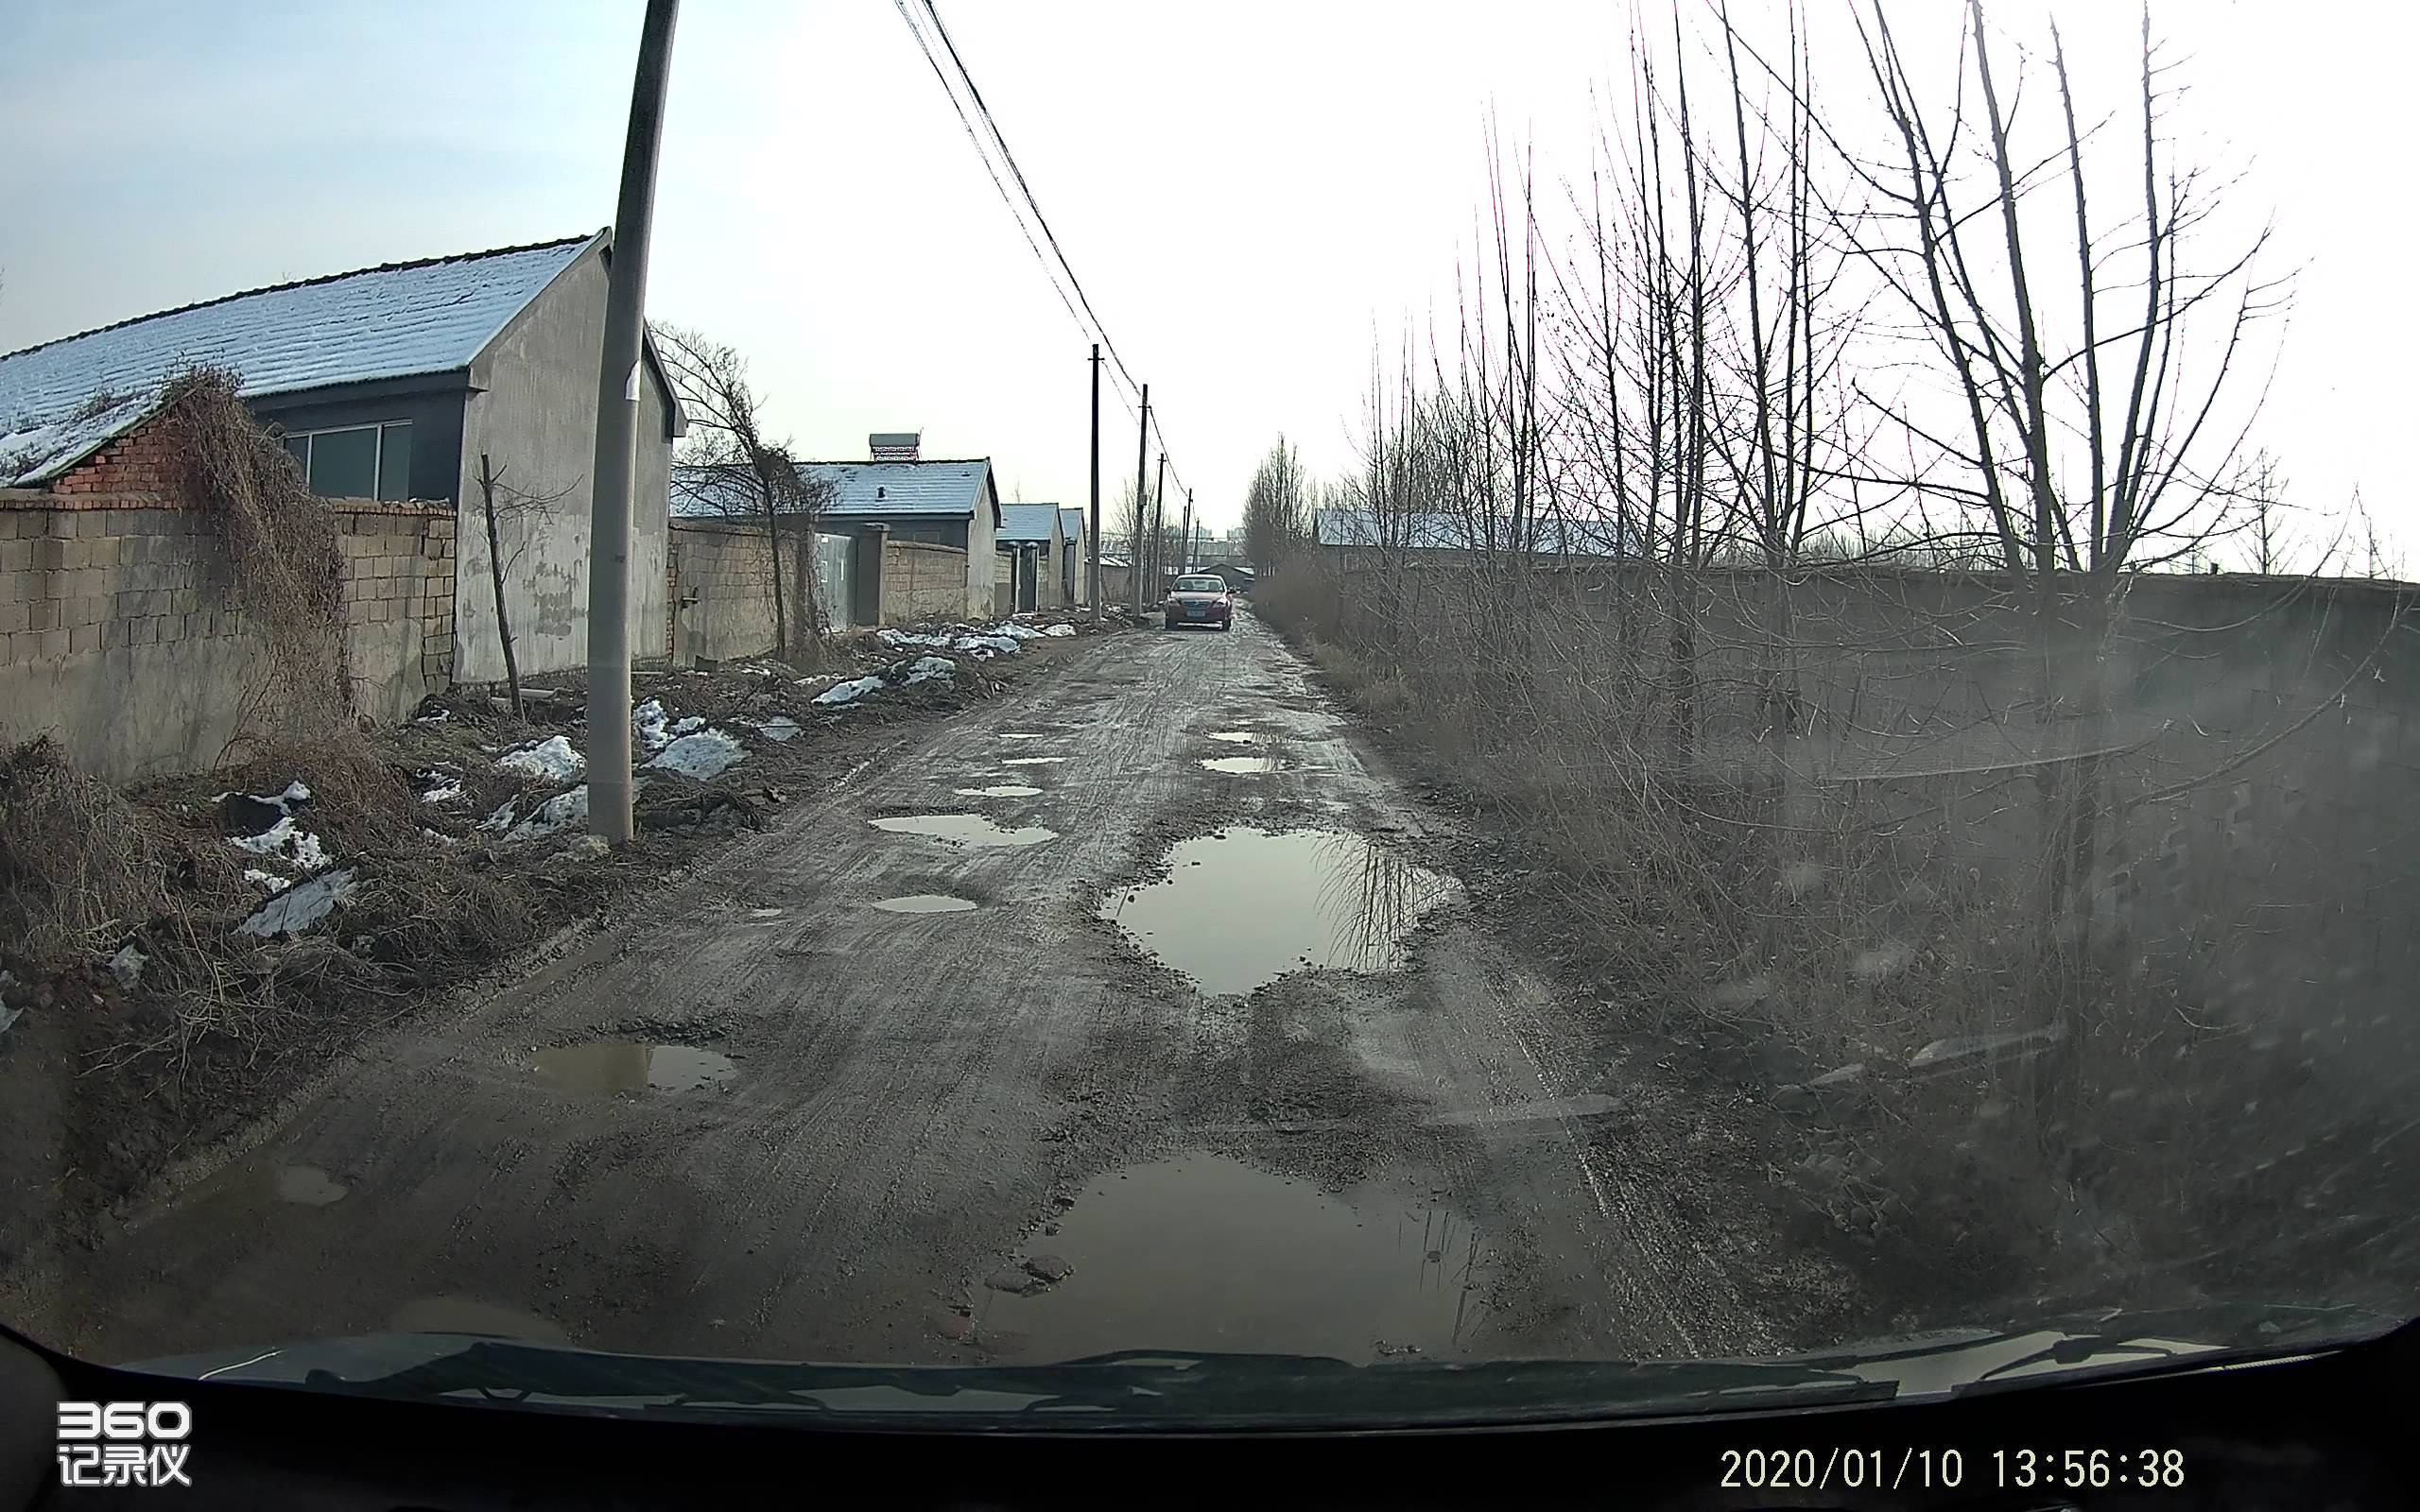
(1817, 737)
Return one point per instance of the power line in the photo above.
(907, 16)
(1096, 326)
(1025, 188)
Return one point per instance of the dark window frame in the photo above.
(389, 468)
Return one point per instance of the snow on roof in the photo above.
(1028, 522)
(1453, 532)
(924, 488)
(61, 401)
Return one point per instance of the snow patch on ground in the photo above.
(444, 786)
(269, 879)
(299, 907)
(551, 759)
(851, 691)
(1057, 630)
(702, 755)
(651, 725)
(984, 648)
(781, 727)
(284, 839)
(928, 667)
(127, 965)
(557, 813)
(501, 819)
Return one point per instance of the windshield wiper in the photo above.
(1161, 1388)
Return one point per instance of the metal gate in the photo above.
(834, 581)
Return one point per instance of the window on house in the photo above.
(355, 462)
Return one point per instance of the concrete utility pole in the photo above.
(1134, 547)
(1093, 537)
(618, 425)
(1184, 552)
(1160, 522)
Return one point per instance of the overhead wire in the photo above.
(1089, 321)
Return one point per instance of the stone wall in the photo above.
(122, 634)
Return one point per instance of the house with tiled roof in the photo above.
(898, 496)
(388, 384)
(1030, 547)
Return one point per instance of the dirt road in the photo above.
(1047, 1102)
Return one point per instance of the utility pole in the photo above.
(1184, 553)
(1134, 547)
(1091, 538)
(1160, 523)
(617, 418)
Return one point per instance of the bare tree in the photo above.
(1277, 513)
(728, 465)
(2264, 493)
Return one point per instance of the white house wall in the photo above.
(982, 535)
(535, 420)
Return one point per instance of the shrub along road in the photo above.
(884, 1083)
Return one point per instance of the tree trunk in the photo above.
(774, 545)
(496, 581)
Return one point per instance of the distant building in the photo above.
(1356, 537)
(1075, 563)
(952, 503)
(1031, 550)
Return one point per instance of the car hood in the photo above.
(1180, 1391)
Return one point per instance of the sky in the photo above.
(1254, 196)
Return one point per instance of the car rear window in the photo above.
(1200, 585)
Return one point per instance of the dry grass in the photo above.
(78, 869)
(288, 568)
(1757, 934)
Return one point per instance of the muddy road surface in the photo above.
(1140, 1012)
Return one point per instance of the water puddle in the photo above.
(1242, 908)
(629, 1066)
(1202, 1254)
(1024, 734)
(965, 829)
(927, 902)
(461, 1315)
(308, 1185)
(1034, 761)
(999, 790)
(1240, 764)
(1235, 737)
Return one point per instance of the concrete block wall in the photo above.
(722, 596)
(2261, 755)
(399, 592)
(922, 582)
(120, 632)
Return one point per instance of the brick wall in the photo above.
(139, 465)
(921, 581)
(119, 632)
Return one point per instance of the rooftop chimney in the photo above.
(894, 446)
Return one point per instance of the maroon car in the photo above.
(1200, 599)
